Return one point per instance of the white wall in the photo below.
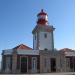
(28, 52)
(35, 41)
(69, 53)
(45, 42)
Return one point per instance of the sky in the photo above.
(18, 18)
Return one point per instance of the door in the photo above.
(23, 64)
(53, 65)
(74, 64)
(34, 64)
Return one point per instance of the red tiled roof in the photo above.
(22, 46)
(67, 50)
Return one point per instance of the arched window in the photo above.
(45, 35)
(46, 49)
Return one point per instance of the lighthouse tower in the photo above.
(43, 33)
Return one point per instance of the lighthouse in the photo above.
(42, 58)
(43, 33)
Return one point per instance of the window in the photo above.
(46, 49)
(34, 63)
(45, 35)
(35, 37)
(71, 63)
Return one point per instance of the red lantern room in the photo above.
(42, 18)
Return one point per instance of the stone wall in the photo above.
(45, 61)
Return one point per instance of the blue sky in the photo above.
(18, 18)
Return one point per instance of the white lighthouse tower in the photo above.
(43, 33)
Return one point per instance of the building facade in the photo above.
(43, 58)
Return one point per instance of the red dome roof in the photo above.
(42, 13)
(42, 18)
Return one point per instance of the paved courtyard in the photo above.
(70, 73)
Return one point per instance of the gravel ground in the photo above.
(70, 73)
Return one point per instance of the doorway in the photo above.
(34, 64)
(53, 65)
(24, 65)
(74, 64)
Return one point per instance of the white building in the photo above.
(43, 57)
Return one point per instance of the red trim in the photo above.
(29, 60)
(42, 21)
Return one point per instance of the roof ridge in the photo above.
(67, 50)
(22, 46)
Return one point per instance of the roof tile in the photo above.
(22, 46)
